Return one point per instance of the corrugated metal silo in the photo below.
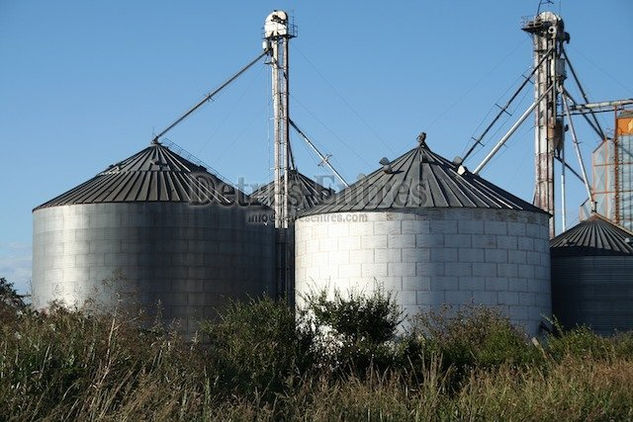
(153, 228)
(592, 276)
(433, 233)
(303, 194)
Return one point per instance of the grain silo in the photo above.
(153, 228)
(303, 194)
(435, 234)
(592, 276)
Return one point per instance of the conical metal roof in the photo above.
(421, 179)
(304, 193)
(594, 236)
(155, 174)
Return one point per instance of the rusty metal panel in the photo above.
(624, 126)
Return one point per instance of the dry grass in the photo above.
(260, 365)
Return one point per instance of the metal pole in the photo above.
(288, 245)
(570, 168)
(583, 93)
(278, 208)
(584, 115)
(279, 197)
(503, 109)
(278, 31)
(210, 95)
(513, 129)
(286, 132)
(616, 168)
(563, 198)
(578, 154)
(503, 140)
(323, 158)
(583, 108)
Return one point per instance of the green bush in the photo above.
(357, 316)
(258, 346)
(355, 331)
(582, 342)
(473, 337)
(11, 303)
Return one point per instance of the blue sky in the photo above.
(86, 84)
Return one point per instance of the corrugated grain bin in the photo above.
(592, 276)
(154, 228)
(435, 234)
(303, 194)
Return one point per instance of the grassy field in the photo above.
(341, 360)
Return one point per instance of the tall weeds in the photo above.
(259, 362)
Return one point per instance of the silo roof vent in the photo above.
(386, 165)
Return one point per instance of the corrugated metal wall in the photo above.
(593, 290)
(430, 258)
(190, 259)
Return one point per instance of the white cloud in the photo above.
(16, 264)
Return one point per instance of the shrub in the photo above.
(354, 332)
(11, 302)
(582, 342)
(372, 317)
(258, 347)
(473, 337)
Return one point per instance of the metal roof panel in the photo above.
(595, 236)
(155, 174)
(307, 191)
(421, 178)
